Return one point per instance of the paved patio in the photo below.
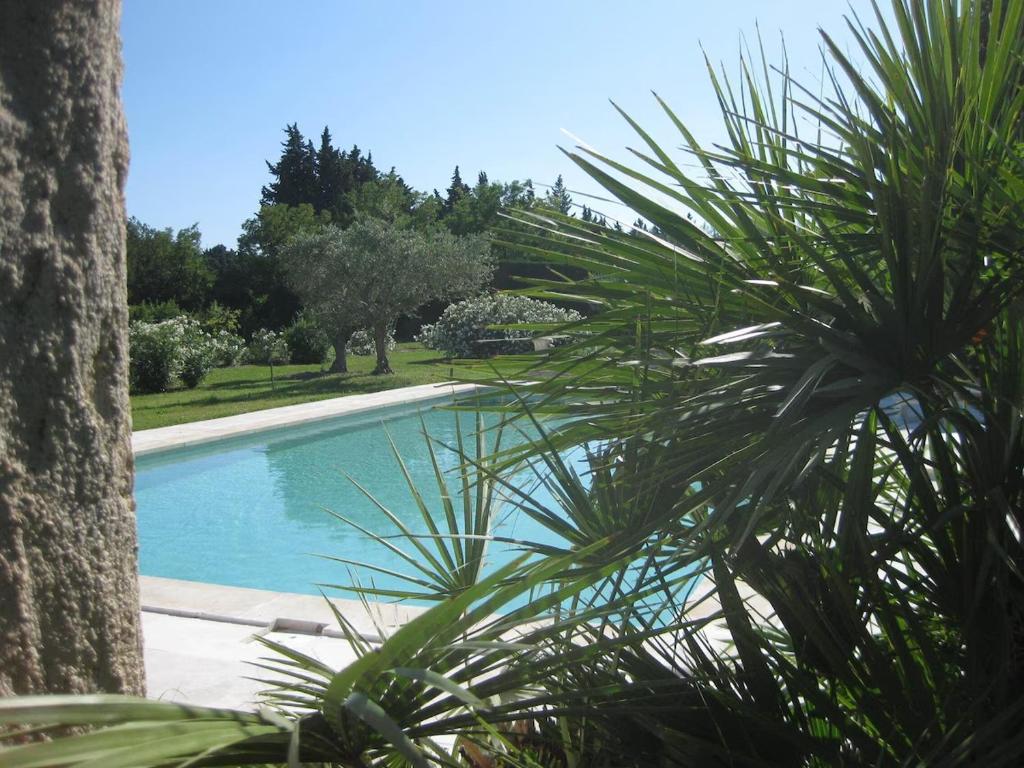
(198, 638)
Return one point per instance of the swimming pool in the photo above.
(253, 511)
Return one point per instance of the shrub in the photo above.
(178, 347)
(153, 356)
(462, 331)
(195, 364)
(154, 311)
(227, 348)
(307, 343)
(267, 348)
(361, 343)
(216, 318)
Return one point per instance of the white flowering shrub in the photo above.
(462, 331)
(361, 343)
(267, 348)
(227, 348)
(175, 348)
(153, 356)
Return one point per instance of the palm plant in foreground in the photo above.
(450, 557)
(810, 398)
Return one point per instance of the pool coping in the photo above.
(269, 611)
(148, 441)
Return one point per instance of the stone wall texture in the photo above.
(69, 606)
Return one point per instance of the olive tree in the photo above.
(319, 270)
(375, 271)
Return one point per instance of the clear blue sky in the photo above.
(210, 84)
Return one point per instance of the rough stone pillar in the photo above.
(69, 601)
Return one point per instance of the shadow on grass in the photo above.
(333, 384)
(263, 380)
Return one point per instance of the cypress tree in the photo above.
(558, 197)
(456, 191)
(295, 174)
(333, 178)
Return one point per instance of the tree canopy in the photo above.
(375, 271)
(166, 266)
(323, 178)
(313, 185)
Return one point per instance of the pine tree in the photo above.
(334, 178)
(456, 191)
(558, 198)
(295, 174)
(587, 215)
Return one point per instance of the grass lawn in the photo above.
(227, 391)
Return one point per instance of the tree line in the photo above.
(312, 188)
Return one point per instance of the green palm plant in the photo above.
(450, 557)
(809, 397)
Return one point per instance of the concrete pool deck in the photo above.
(199, 639)
(200, 642)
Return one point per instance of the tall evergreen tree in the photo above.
(295, 174)
(362, 168)
(334, 178)
(559, 198)
(456, 191)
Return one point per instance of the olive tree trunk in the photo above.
(380, 342)
(69, 606)
(340, 342)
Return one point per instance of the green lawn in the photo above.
(227, 391)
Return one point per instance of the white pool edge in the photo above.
(271, 611)
(198, 432)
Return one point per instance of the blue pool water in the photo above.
(253, 511)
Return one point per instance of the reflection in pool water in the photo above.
(254, 511)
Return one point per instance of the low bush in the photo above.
(267, 348)
(159, 352)
(217, 317)
(153, 355)
(462, 331)
(196, 362)
(361, 343)
(227, 348)
(154, 311)
(307, 343)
